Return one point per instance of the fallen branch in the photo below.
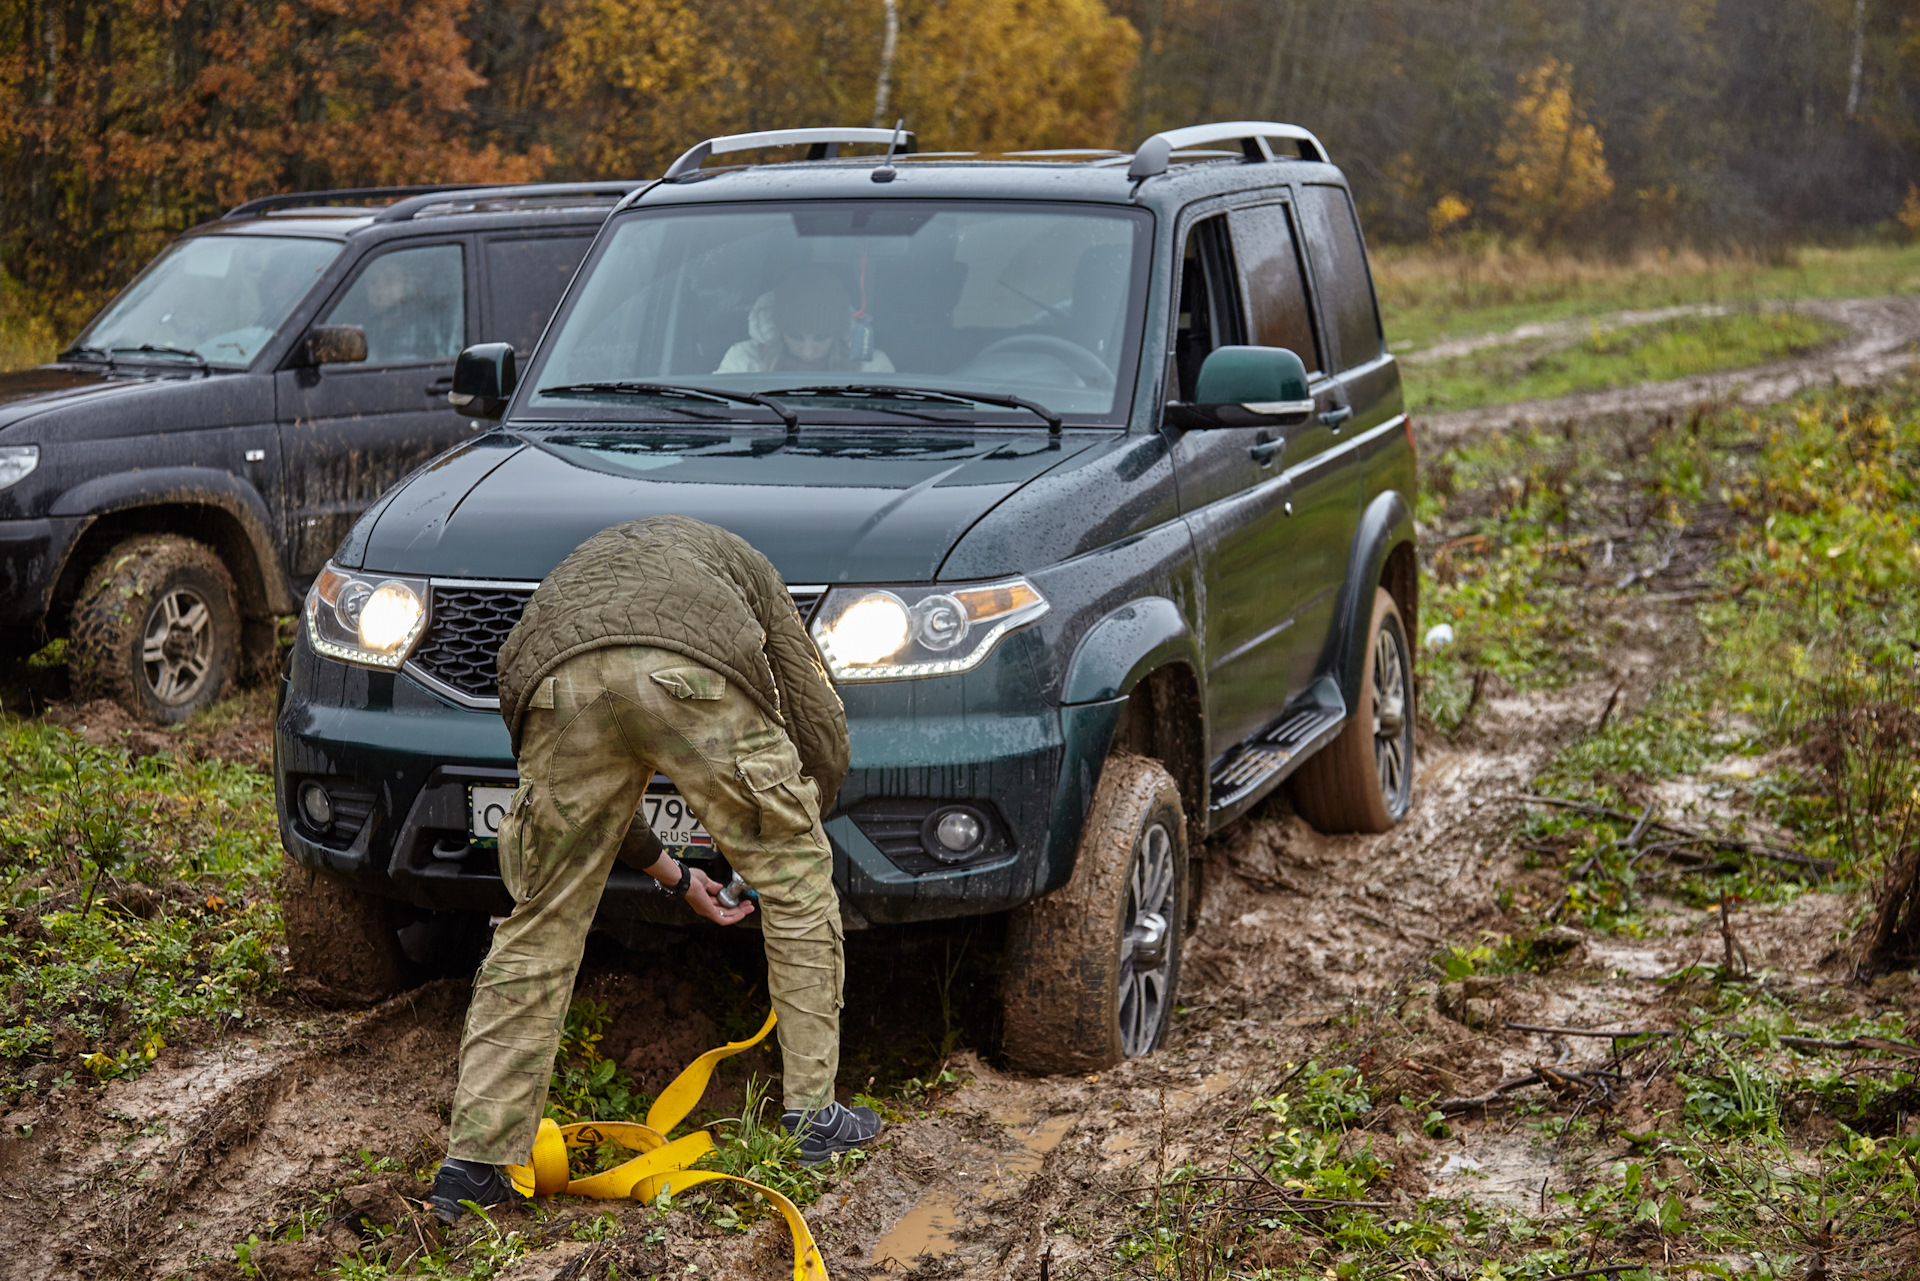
(1877, 1044)
(1824, 866)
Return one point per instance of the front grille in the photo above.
(461, 650)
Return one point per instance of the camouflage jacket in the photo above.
(676, 583)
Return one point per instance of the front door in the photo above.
(1235, 497)
(348, 432)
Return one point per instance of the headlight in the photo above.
(17, 463)
(890, 633)
(373, 620)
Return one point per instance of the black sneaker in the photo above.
(835, 1128)
(484, 1185)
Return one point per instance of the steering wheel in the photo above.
(1089, 368)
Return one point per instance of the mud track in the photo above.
(159, 1176)
(1884, 339)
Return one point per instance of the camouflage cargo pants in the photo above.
(597, 731)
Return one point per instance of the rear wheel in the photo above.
(1092, 968)
(1363, 780)
(155, 629)
(341, 942)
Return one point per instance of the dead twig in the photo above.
(1871, 1043)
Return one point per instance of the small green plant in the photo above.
(586, 1085)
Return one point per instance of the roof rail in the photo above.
(412, 207)
(1153, 155)
(825, 144)
(298, 199)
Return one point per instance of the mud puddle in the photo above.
(926, 1231)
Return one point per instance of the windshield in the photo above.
(1033, 301)
(214, 298)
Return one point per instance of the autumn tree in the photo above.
(126, 122)
(1553, 166)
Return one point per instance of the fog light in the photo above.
(316, 806)
(955, 833)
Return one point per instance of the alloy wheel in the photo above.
(1392, 727)
(1147, 943)
(176, 651)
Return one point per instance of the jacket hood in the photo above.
(826, 506)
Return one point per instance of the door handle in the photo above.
(1265, 452)
(1335, 416)
(440, 386)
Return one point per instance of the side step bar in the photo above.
(1254, 764)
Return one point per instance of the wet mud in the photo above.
(1303, 941)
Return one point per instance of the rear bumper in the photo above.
(412, 755)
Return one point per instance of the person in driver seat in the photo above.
(804, 324)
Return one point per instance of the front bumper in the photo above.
(31, 554)
(412, 754)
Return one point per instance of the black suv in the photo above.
(177, 478)
(1089, 473)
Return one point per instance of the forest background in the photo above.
(1601, 125)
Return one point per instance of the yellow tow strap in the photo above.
(661, 1165)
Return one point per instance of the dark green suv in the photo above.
(1090, 475)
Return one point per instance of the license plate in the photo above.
(663, 809)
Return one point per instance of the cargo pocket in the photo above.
(786, 800)
(513, 868)
(691, 682)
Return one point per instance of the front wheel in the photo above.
(1363, 780)
(1092, 968)
(155, 629)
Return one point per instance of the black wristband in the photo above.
(685, 883)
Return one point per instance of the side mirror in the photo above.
(336, 345)
(483, 380)
(1247, 387)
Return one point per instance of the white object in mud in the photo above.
(1439, 636)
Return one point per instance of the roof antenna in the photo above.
(885, 173)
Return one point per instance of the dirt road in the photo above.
(161, 1175)
(1883, 341)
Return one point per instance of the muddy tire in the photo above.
(1363, 780)
(341, 944)
(1092, 968)
(155, 629)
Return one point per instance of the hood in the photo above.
(26, 393)
(827, 506)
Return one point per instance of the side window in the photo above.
(525, 279)
(1340, 272)
(1209, 306)
(1274, 283)
(412, 303)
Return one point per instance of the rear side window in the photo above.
(1340, 273)
(525, 279)
(1274, 283)
(412, 303)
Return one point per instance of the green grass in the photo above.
(1614, 357)
(137, 903)
(1489, 288)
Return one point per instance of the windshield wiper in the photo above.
(668, 391)
(886, 392)
(150, 348)
(87, 353)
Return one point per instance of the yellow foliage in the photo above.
(1004, 75)
(1909, 214)
(632, 83)
(1552, 163)
(1447, 211)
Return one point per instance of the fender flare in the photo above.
(1386, 524)
(1125, 645)
(192, 487)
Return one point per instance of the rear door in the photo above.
(524, 277)
(1363, 393)
(348, 432)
